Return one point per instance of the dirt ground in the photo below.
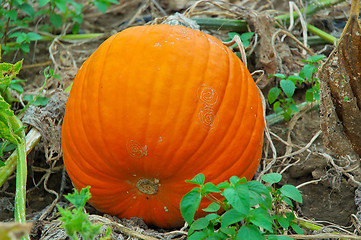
(328, 195)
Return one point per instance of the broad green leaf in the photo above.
(56, 20)
(294, 108)
(33, 36)
(249, 232)
(61, 5)
(42, 3)
(273, 94)
(230, 217)
(210, 188)
(295, 78)
(238, 197)
(291, 192)
(198, 179)
(272, 178)
(189, 205)
(277, 107)
(197, 236)
(101, 6)
(199, 224)
(28, 9)
(288, 87)
(261, 218)
(211, 216)
(212, 207)
(307, 71)
(17, 87)
(245, 37)
(234, 180)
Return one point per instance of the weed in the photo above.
(76, 222)
(282, 97)
(248, 209)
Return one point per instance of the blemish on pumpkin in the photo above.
(136, 150)
(207, 117)
(165, 209)
(207, 95)
(160, 139)
(148, 186)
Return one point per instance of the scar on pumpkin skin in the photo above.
(136, 150)
(209, 97)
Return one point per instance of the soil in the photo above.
(328, 195)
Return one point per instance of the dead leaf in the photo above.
(13, 230)
(340, 91)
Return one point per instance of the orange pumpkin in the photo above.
(152, 107)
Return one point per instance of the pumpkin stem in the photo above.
(148, 186)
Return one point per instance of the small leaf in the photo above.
(283, 222)
(315, 58)
(260, 217)
(273, 94)
(288, 87)
(33, 36)
(78, 199)
(249, 232)
(42, 3)
(223, 185)
(212, 216)
(296, 228)
(291, 192)
(189, 205)
(295, 78)
(234, 180)
(307, 71)
(200, 223)
(279, 75)
(230, 217)
(197, 236)
(210, 188)
(272, 178)
(279, 237)
(212, 207)
(56, 20)
(198, 179)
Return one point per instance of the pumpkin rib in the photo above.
(185, 136)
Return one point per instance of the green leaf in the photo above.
(230, 217)
(278, 75)
(42, 3)
(307, 71)
(223, 185)
(296, 228)
(28, 9)
(235, 180)
(295, 78)
(12, 14)
(283, 222)
(249, 232)
(212, 207)
(101, 6)
(17, 88)
(261, 218)
(245, 37)
(288, 87)
(210, 188)
(238, 197)
(40, 101)
(78, 199)
(197, 236)
(291, 192)
(272, 178)
(56, 20)
(33, 36)
(200, 223)
(315, 58)
(61, 5)
(273, 94)
(198, 179)
(9, 126)
(189, 205)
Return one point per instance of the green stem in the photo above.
(322, 34)
(64, 37)
(32, 138)
(311, 9)
(278, 117)
(222, 24)
(21, 175)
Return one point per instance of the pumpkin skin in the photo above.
(152, 107)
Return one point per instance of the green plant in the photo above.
(76, 222)
(12, 130)
(17, 16)
(248, 209)
(282, 97)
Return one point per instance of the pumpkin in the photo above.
(152, 107)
